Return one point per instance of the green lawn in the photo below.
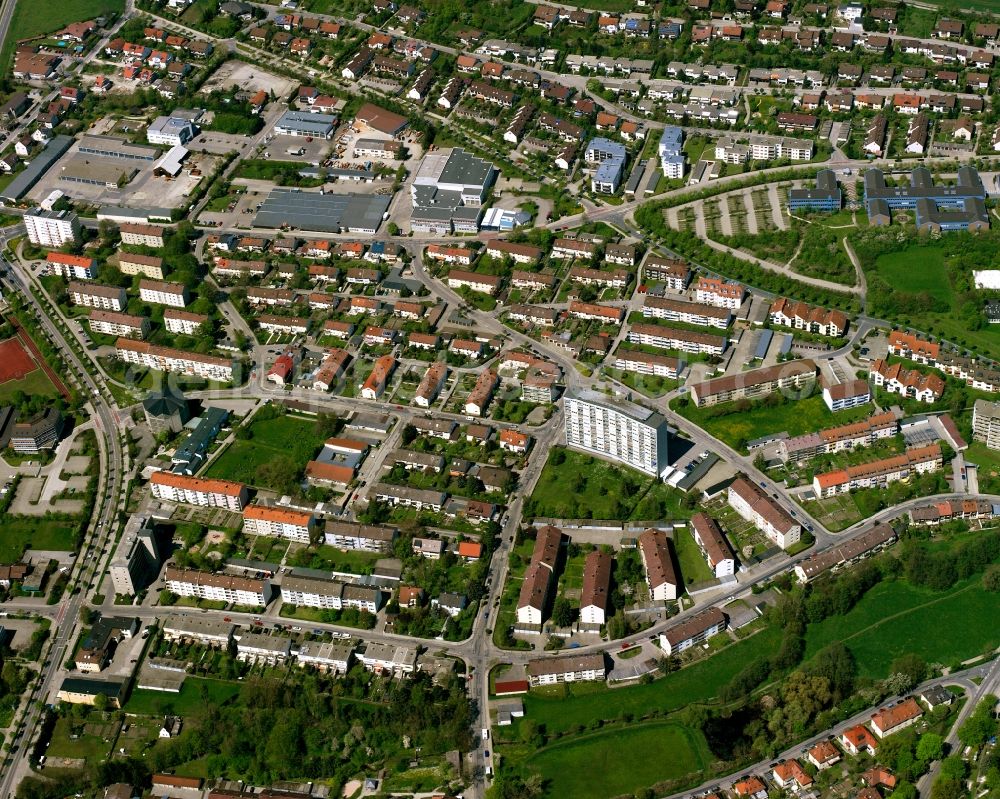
(34, 18)
(894, 618)
(196, 692)
(694, 568)
(31, 384)
(794, 416)
(16, 532)
(624, 759)
(584, 487)
(563, 708)
(932, 276)
(292, 437)
(85, 746)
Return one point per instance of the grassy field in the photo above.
(289, 436)
(694, 568)
(583, 487)
(36, 533)
(33, 18)
(563, 708)
(932, 277)
(86, 745)
(795, 417)
(625, 759)
(195, 692)
(32, 384)
(892, 619)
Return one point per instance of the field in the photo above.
(694, 568)
(563, 708)
(893, 619)
(37, 533)
(32, 18)
(932, 277)
(625, 759)
(795, 417)
(195, 692)
(583, 487)
(292, 437)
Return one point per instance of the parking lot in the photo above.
(251, 78)
(218, 143)
(301, 149)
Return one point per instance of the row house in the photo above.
(227, 267)
(863, 546)
(289, 325)
(257, 295)
(590, 311)
(488, 93)
(573, 248)
(801, 316)
(909, 383)
(878, 474)
(865, 433)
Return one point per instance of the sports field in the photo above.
(896, 618)
(625, 760)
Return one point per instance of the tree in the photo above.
(991, 577)
(980, 726)
(930, 747)
(910, 665)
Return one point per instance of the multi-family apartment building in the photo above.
(353, 535)
(168, 359)
(377, 380)
(72, 267)
(95, 295)
(183, 322)
(879, 473)
(163, 293)
(647, 363)
(890, 720)
(150, 266)
(111, 323)
(754, 505)
(430, 385)
(596, 588)
(616, 429)
(692, 313)
(693, 631)
(801, 316)
(52, 229)
(865, 433)
(655, 549)
(567, 668)
(592, 311)
(534, 314)
(674, 274)
(482, 392)
(754, 383)
(246, 591)
(532, 603)
(865, 545)
(675, 338)
(986, 423)
(319, 592)
(141, 235)
(843, 396)
(714, 291)
(199, 491)
(295, 525)
(714, 545)
(485, 284)
(914, 348)
(910, 383)
(518, 253)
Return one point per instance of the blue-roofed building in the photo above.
(762, 344)
(303, 123)
(938, 208)
(610, 157)
(786, 345)
(827, 195)
(671, 151)
(190, 455)
(670, 30)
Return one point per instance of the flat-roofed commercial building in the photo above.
(616, 429)
(113, 147)
(323, 213)
(110, 174)
(171, 131)
(304, 123)
(33, 434)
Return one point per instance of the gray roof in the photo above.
(328, 213)
(39, 165)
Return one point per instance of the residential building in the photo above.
(596, 587)
(754, 505)
(220, 587)
(865, 433)
(863, 546)
(141, 234)
(163, 293)
(532, 603)
(842, 396)
(801, 316)
(118, 324)
(718, 292)
(353, 535)
(376, 382)
(168, 359)
(485, 284)
(288, 523)
(150, 266)
(52, 229)
(693, 631)
(609, 157)
(890, 720)
(198, 491)
(481, 394)
(691, 313)
(73, 267)
(671, 152)
(910, 383)
(715, 548)
(878, 473)
(430, 385)
(754, 383)
(658, 561)
(388, 658)
(137, 557)
(567, 668)
(95, 295)
(184, 322)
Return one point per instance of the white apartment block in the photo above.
(93, 295)
(352, 535)
(160, 293)
(167, 359)
(618, 430)
(986, 423)
(756, 507)
(312, 592)
(198, 491)
(485, 284)
(388, 658)
(150, 266)
(118, 324)
(286, 523)
(670, 338)
(52, 229)
(218, 587)
(71, 267)
(183, 322)
(717, 292)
